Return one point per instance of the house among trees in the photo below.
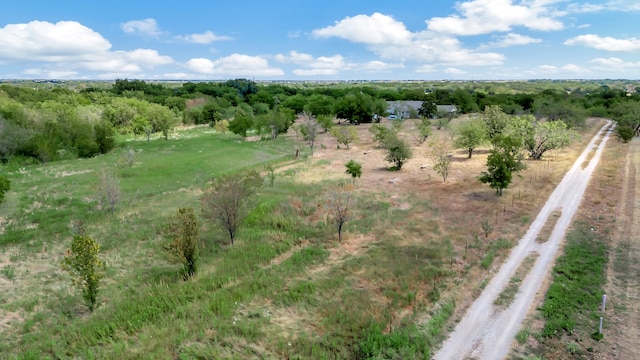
(449, 111)
(409, 109)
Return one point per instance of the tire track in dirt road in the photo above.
(485, 331)
(622, 331)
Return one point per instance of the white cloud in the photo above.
(439, 49)
(177, 76)
(374, 29)
(234, 65)
(389, 39)
(511, 39)
(44, 41)
(329, 65)
(559, 71)
(623, 5)
(478, 17)
(205, 38)
(605, 43)
(547, 69)
(315, 66)
(50, 74)
(454, 71)
(585, 7)
(295, 57)
(574, 68)
(378, 66)
(426, 68)
(68, 46)
(614, 63)
(147, 27)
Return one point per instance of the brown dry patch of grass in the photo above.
(9, 319)
(546, 230)
(429, 215)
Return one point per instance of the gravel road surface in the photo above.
(485, 331)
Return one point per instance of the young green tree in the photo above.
(428, 109)
(221, 126)
(440, 151)
(354, 169)
(504, 159)
(85, 267)
(495, 120)
(228, 200)
(241, 123)
(184, 245)
(538, 137)
(470, 135)
(398, 150)
(162, 119)
(344, 135)
(423, 127)
(326, 122)
(380, 132)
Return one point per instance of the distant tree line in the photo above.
(59, 123)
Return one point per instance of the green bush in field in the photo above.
(354, 169)
(184, 246)
(625, 133)
(398, 150)
(5, 185)
(85, 267)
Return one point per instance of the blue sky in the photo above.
(320, 40)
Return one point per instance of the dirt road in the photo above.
(622, 330)
(485, 331)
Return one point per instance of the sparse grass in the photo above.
(547, 229)
(509, 293)
(9, 272)
(487, 259)
(523, 335)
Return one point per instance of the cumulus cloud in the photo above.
(44, 41)
(374, 29)
(614, 63)
(511, 39)
(454, 71)
(478, 17)
(68, 46)
(314, 66)
(205, 38)
(568, 69)
(439, 49)
(585, 7)
(390, 40)
(329, 65)
(623, 5)
(146, 27)
(377, 65)
(605, 43)
(234, 65)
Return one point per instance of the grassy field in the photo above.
(287, 289)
